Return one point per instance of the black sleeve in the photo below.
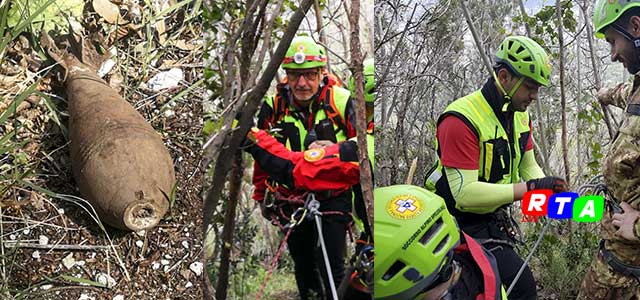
(348, 151)
(264, 116)
(350, 118)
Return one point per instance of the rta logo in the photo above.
(568, 205)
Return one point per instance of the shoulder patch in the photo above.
(314, 155)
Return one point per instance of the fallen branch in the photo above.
(17, 244)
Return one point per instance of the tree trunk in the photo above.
(596, 73)
(563, 101)
(321, 35)
(235, 184)
(542, 128)
(366, 181)
(476, 38)
(233, 138)
(578, 121)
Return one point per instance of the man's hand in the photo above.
(604, 96)
(556, 184)
(320, 144)
(625, 222)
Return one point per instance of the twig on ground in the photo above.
(18, 244)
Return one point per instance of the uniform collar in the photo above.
(495, 100)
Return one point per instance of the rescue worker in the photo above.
(615, 270)
(333, 168)
(305, 109)
(336, 170)
(421, 253)
(369, 89)
(485, 149)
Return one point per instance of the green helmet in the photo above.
(369, 81)
(304, 53)
(608, 11)
(526, 58)
(415, 236)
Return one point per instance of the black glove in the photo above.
(556, 184)
(267, 212)
(248, 141)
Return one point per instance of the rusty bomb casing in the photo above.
(119, 162)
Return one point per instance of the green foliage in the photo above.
(596, 156)
(249, 264)
(590, 118)
(563, 257)
(545, 24)
(50, 15)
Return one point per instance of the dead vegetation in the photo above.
(52, 245)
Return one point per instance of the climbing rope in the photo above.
(292, 224)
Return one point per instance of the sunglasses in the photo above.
(308, 75)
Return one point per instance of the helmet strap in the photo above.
(507, 96)
(633, 69)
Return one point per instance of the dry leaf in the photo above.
(181, 44)
(162, 31)
(109, 11)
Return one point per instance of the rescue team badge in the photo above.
(314, 155)
(405, 207)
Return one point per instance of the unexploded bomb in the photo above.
(120, 163)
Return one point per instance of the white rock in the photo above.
(167, 256)
(108, 65)
(69, 261)
(105, 279)
(196, 267)
(169, 113)
(86, 297)
(139, 243)
(46, 286)
(36, 254)
(188, 285)
(61, 211)
(26, 231)
(164, 262)
(118, 297)
(155, 265)
(12, 236)
(165, 80)
(185, 244)
(43, 240)
(140, 232)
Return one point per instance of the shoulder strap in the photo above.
(331, 110)
(279, 104)
(487, 263)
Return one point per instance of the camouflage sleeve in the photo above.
(616, 96)
(636, 229)
(621, 167)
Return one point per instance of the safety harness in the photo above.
(281, 107)
(598, 187)
(309, 210)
